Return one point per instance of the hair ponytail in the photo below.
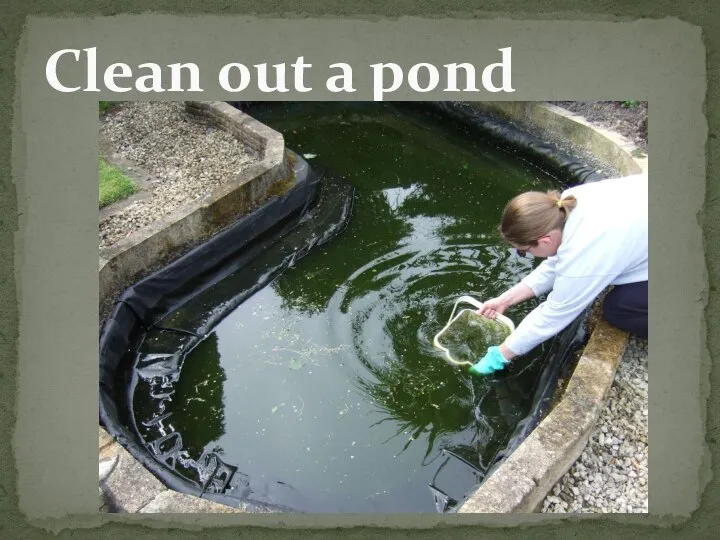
(533, 214)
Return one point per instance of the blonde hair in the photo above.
(533, 214)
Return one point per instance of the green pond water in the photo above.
(326, 382)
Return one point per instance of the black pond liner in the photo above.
(143, 306)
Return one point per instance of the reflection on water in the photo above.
(323, 390)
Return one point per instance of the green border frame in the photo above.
(695, 516)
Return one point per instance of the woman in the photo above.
(592, 236)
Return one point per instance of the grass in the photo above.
(114, 184)
(105, 106)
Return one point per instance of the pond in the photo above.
(323, 391)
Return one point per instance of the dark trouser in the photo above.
(626, 307)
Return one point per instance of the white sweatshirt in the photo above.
(604, 242)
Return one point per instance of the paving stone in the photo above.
(174, 502)
(104, 439)
(107, 466)
(130, 486)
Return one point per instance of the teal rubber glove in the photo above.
(491, 362)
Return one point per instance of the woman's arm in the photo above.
(567, 300)
(534, 284)
(491, 308)
(542, 279)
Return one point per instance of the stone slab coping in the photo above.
(606, 145)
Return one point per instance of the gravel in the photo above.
(627, 118)
(611, 475)
(184, 158)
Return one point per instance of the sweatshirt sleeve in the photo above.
(542, 279)
(569, 297)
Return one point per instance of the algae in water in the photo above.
(469, 336)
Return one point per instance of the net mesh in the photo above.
(468, 337)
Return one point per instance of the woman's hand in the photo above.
(497, 306)
(493, 307)
(493, 361)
